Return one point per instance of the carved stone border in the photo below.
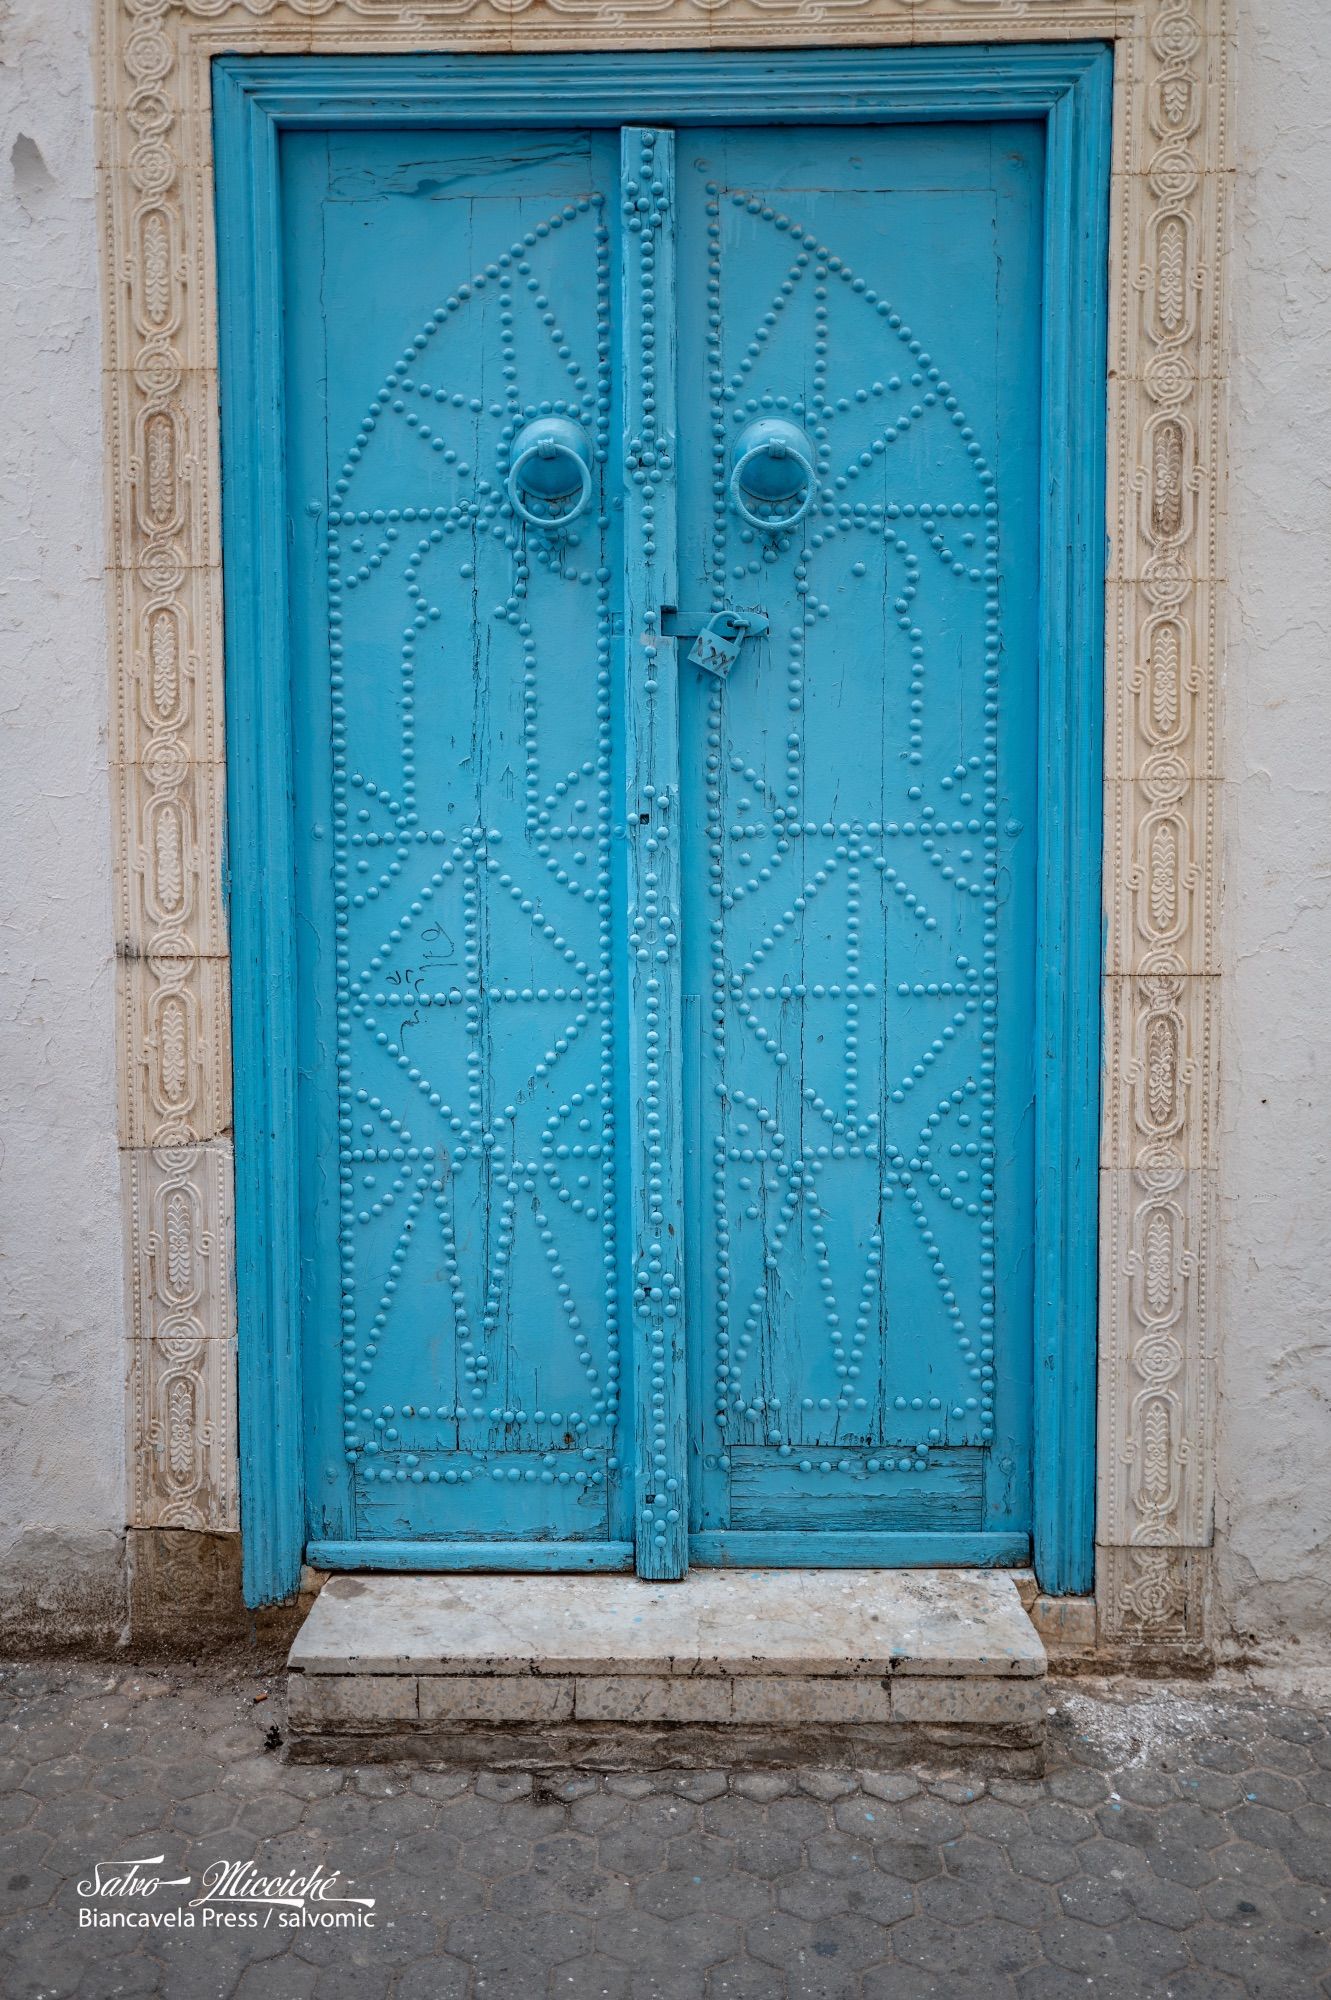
(1165, 511)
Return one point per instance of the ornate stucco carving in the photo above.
(1170, 193)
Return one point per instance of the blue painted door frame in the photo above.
(1065, 87)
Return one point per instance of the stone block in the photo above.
(495, 1698)
(785, 1699)
(1066, 1624)
(350, 1701)
(967, 1699)
(652, 1698)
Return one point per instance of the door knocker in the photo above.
(550, 478)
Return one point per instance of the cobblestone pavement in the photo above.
(1180, 1846)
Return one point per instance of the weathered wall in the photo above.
(1273, 1570)
(62, 1327)
(62, 1321)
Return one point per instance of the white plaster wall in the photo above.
(62, 1316)
(61, 1297)
(1273, 1521)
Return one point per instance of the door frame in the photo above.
(1069, 87)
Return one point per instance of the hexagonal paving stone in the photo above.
(769, 1854)
(838, 1854)
(1052, 1820)
(1091, 1900)
(914, 1982)
(121, 1978)
(853, 1941)
(678, 1982)
(292, 1979)
(592, 1978)
(911, 1860)
(745, 1979)
(659, 1943)
(997, 1820)
(1053, 1982)
(881, 1898)
(17, 1810)
(763, 1786)
(891, 1785)
(596, 1812)
(805, 1817)
(822, 1979)
(1078, 1787)
(1042, 1860)
(633, 1847)
(827, 1785)
(670, 1892)
(1145, 1787)
(700, 1785)
(266, 1818)
(966, 1949)
(1153, 1951)
(436, 1978)
(812, 1896)
(974, 1859)
(1163, 1901)
(515, 1953)
(29, 1888)
(954, 1902)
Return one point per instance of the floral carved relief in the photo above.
(1164, 506)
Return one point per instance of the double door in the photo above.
(663, 529)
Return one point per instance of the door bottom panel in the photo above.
(519, 1556)
(798, 1549)
(553, 1495)
(856, 1490)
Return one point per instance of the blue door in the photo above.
(858, 857)
(663, 539)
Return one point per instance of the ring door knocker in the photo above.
(773, 481)
(550, 478)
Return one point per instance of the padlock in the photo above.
(717, 646)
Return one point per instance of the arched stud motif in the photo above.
(472, 915)
(785, 1130)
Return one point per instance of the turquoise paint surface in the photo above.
(460, 922)
(599, 1240)
(860, 857)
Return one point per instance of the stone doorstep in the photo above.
(846, 1624)
(728, 1666)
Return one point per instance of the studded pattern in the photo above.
(472, 1032)
(855, 968)
(653, 819)
(803, 962)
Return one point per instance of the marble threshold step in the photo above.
(870, 1668)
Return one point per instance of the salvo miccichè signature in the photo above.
(232, 1895)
